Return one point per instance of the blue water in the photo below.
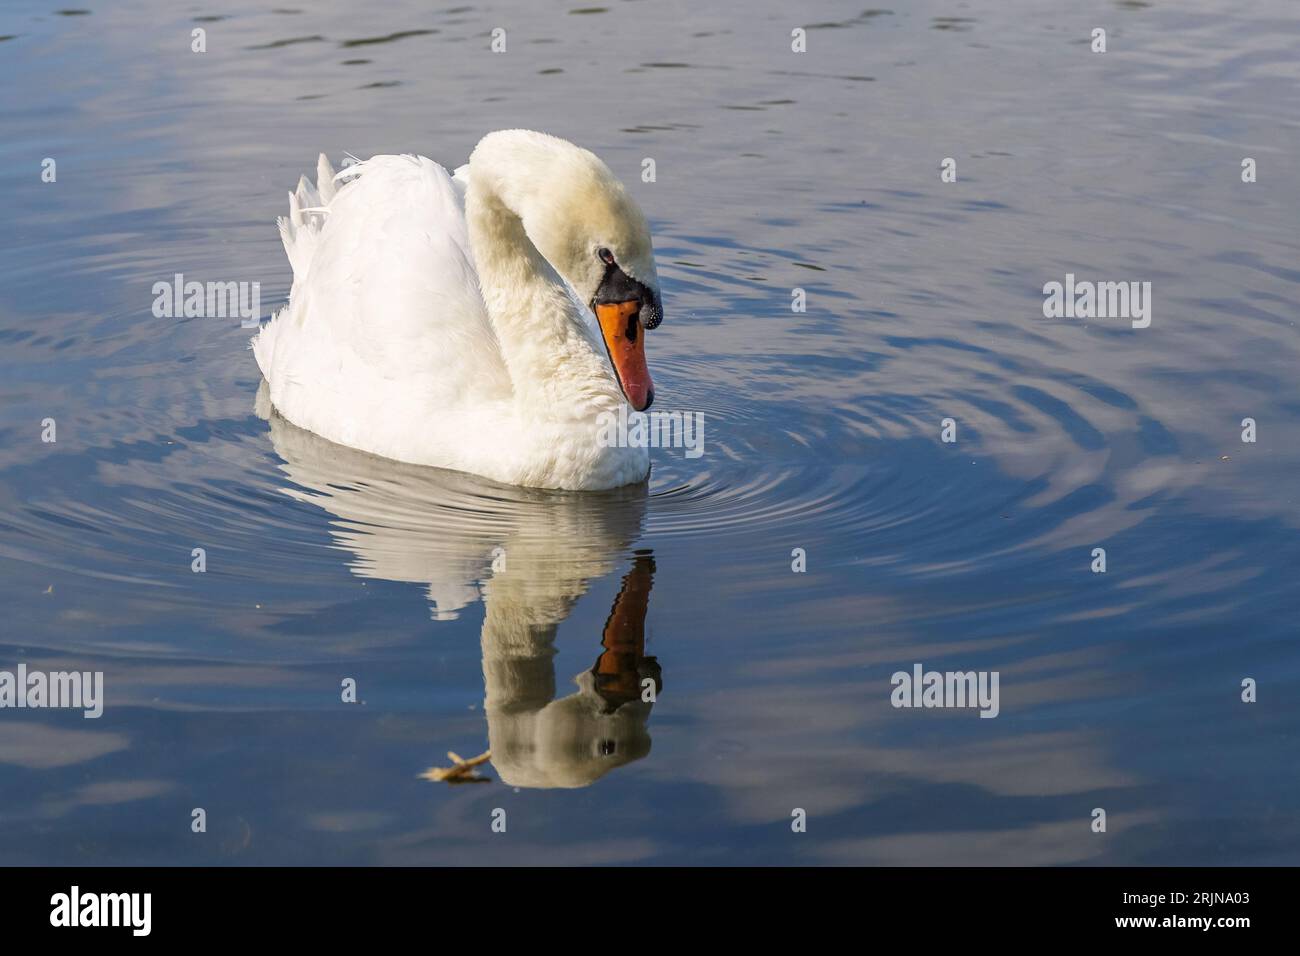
(774, 171)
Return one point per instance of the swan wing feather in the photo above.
(384, 290)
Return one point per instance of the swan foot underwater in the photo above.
(460, 771)
(486, 321)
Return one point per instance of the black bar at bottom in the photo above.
(469, 906)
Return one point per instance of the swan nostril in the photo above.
(631, 327)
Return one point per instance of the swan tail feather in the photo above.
(263, 344)
(308, 208)
(325, 180)
(299, 232)
(306, 194)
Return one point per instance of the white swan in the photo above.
(442, 320)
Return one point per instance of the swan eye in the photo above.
(606, 256)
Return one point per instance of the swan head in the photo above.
(583, 222)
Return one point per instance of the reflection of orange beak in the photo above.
(623, 662)
(620, 324)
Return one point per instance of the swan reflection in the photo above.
(529, 555)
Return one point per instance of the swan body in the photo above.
(444, 320)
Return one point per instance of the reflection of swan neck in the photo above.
(523, 606)
(518, 675)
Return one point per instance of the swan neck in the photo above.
(549, 350)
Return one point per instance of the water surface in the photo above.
(774, 171)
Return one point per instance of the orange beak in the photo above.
(620, 325)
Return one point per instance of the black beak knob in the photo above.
(651, 312)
